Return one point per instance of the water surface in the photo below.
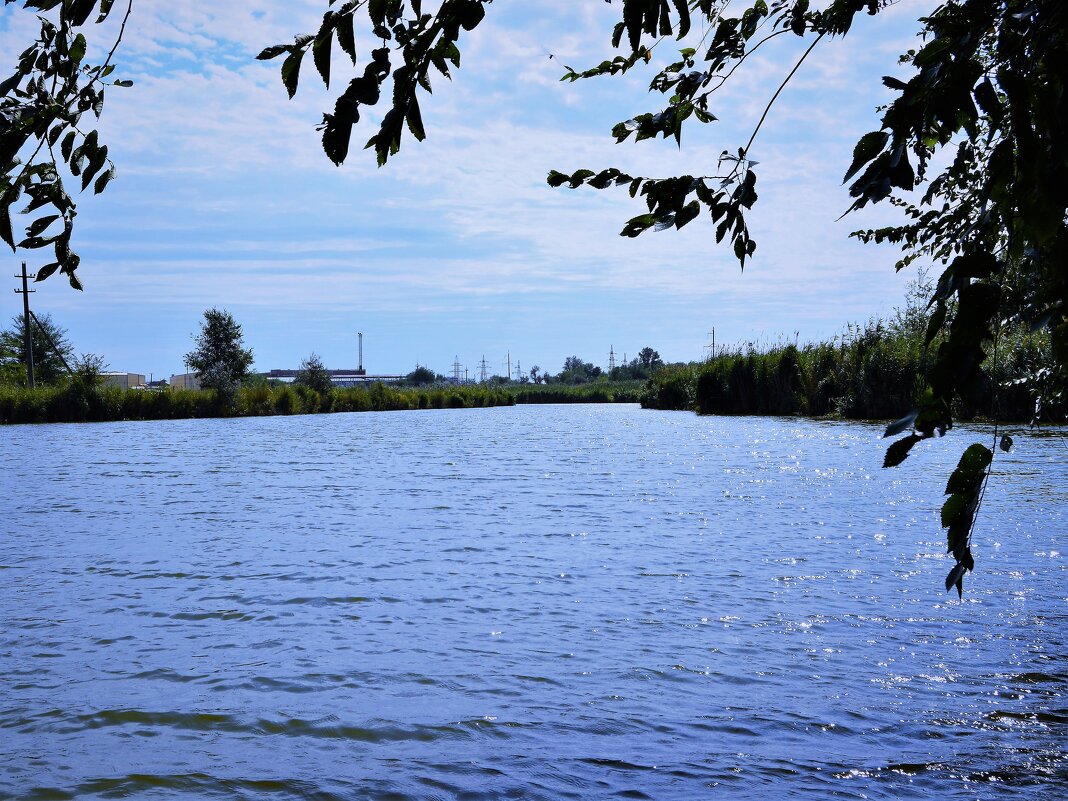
(566, 602)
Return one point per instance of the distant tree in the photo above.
(47, 360)
(89, 370)
(420, 376)
(314, 375)
(220, 359)
(577, 371)
(534, 374)
(649, 359)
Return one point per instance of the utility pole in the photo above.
(611, 360)
(518, 371)
(456, 370)
(509, 365)
(482, 368)
(712, 351)
(27, 336)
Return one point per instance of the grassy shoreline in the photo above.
(77, 403)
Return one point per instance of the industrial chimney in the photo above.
(360, 370)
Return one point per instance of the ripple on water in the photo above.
(537, 603)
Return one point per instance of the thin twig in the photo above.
(782, 86)
(114, 47)
(994, 448)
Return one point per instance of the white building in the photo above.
(185, 381)
(124, 380)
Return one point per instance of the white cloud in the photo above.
(225, 197)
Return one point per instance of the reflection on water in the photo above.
(530, 602)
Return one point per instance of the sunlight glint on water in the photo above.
(537, 602)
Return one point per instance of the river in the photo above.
(552, 602)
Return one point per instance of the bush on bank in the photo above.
(599, 392)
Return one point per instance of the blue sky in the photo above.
(457, 248)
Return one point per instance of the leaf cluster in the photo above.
(44, 106)
(989, 84)
(426, 43)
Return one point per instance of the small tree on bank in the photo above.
(420, 376)
(220, 359)
(314, 375)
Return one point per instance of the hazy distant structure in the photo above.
(359, 369)
(518, 371)
(482, 366)
(456, 370)
(611, 359)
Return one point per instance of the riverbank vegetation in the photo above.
(869, 372)
(604, 391)
(78, 400)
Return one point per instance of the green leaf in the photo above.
(346, 36)
(956, 579)
(415, 120)
(899, 451)
(276, 50)
(321, 55)
(77, 49)
(952, 509)
(291, 71)
(934, 325)
(79, 11)
(38, 226)
(683, 9)
(67, 144)
(636, 225)
(556, 179)
(105, 9)
(471, 14)
(47, 270)
(96, 163)
(105, 178)
(869, 146)
(688, 213)
(579, 177)
(970, 470)
(6, 232)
